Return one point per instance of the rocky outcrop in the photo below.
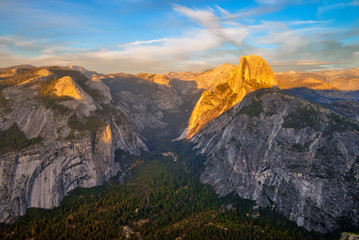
(251, 74)
(210, 79)
(155, 78)
(349, 236)
(207, 80)
(40, 177)
(77, 148)
(44, 73)
(95, 83)
(66, 87)
(288, 154)
(84, 71)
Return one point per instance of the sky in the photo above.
(157, 36)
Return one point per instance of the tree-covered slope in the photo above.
(163, 199)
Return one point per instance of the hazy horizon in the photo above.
(194, 71)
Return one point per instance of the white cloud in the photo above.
(135, 43)
(213, 24)
(198, 40)
(7, 42)
(219, 36)
(284, 41)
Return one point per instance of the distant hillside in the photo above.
(345, 80)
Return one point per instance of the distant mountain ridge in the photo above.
(344, 80)
(16, 67)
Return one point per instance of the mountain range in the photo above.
(289, 141)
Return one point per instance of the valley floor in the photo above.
(161, 198)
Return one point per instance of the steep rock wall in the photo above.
(251, 74)
(285, 153)
(77, 147)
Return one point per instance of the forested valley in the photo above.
(159, 198)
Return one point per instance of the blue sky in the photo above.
(160, 36)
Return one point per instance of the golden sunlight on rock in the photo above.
(252, 73)
(9, 73)
(344, 80)
(155, 78)
(44, 73)
(207, 80)
(107, 135)
(211, 78)
(66, 87)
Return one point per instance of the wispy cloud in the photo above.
(136, 43)
(336, 6)
(208, 19)
(212, 36)
(40, 47)
(307, 22)
(264, 7)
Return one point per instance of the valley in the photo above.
(160, 199)
(232, 152)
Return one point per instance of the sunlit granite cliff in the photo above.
(251, 74)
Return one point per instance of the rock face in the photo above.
(95, 82)
(160, 105)
(286, 153)
(66, 87)
(251, 74)
(345, 103)
(349, 236)
(155, 78)
(207, 80)
(157, 110)
(41, 177)
(78, 144)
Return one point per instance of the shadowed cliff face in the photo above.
(251, 74)
(286, 153)
(157, 106)
(345, 103)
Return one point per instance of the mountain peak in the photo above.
(251, 74)
(154, 78)
(252, 71)
(66, 87)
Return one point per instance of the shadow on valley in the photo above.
(161, 198)
(345, 103)
(158, 111)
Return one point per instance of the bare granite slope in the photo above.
(79, 134)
